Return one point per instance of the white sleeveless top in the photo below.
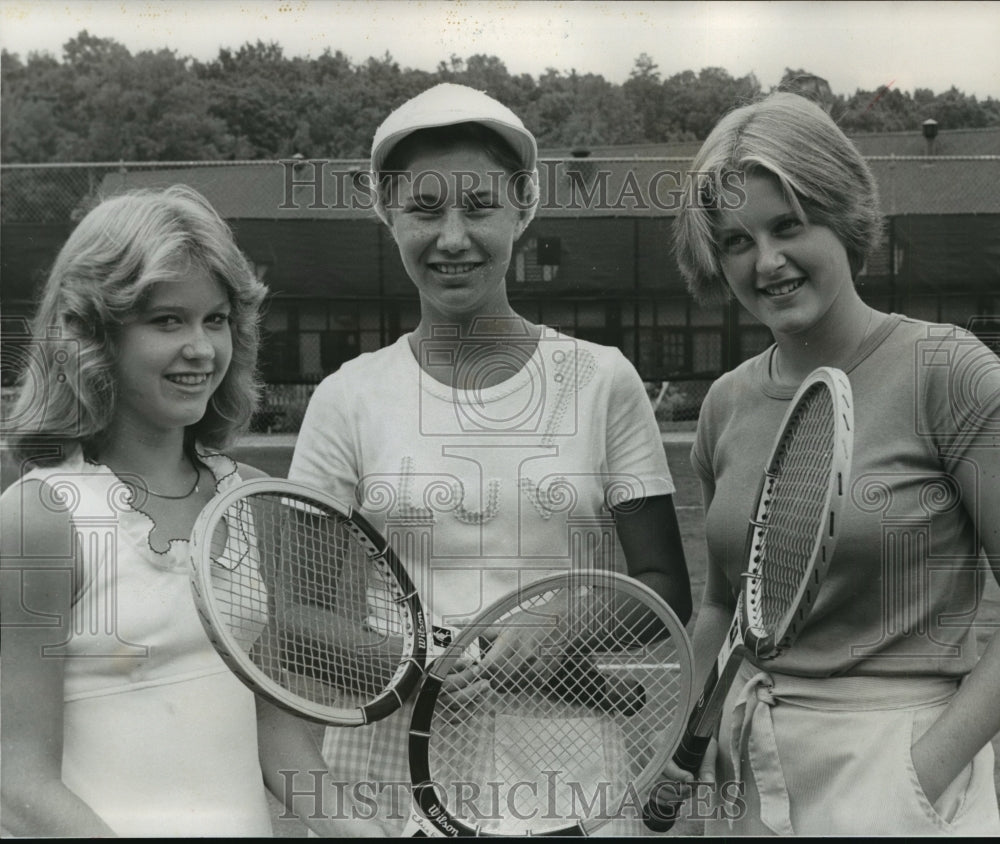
(160, 738)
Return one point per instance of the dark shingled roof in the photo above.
(640, 180)
(948, 142)
(591, 187)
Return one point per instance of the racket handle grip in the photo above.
(659, 817)
(691, 752)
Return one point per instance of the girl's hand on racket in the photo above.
(521, 653)
(676, 785)
(514, 657)
(463, 687)
(540, 641)
(524, 655)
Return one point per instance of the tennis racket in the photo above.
(562, 735)
(790, 542)
(306, 602)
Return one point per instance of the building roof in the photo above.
(952, 142)
(667, 149)
(259, 190)
(948, 142)
(589, 187)
(938, 184)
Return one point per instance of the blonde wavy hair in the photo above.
(68, 392)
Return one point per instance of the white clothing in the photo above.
(777, 779)
(477, 490)
(473, 487)
(160, 738)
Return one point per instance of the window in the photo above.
(673, 350)
(537, 261)
(707, 351)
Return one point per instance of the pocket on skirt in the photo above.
(960, 796)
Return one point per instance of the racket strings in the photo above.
(793, 512)
(303, 594)
(235, 580)
(573, 728)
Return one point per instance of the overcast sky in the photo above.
(851, 44)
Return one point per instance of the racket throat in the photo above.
(707, 713)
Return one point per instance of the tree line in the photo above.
(102, 103)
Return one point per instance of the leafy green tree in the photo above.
(254, 92)
(884, 110)
(29, 120)
(489, 74)
(98, 102)
(693, 103)
(643, 93)
(101, 103)
(954, 109)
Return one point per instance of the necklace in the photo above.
(188, 494)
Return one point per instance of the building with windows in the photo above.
(596, 261)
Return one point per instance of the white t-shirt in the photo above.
(478, 489)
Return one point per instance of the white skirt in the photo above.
(831, 756)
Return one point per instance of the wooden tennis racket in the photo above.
(790, 542)
(306, 602)
(559, 736)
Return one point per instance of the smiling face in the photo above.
(784, 270)
(455, 221)
(174, 351)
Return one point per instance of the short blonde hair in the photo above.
(123, 246)
(821, 171)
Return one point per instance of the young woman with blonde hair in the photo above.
(878, 719)
(118, 715)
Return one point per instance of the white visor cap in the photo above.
(445, 105)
